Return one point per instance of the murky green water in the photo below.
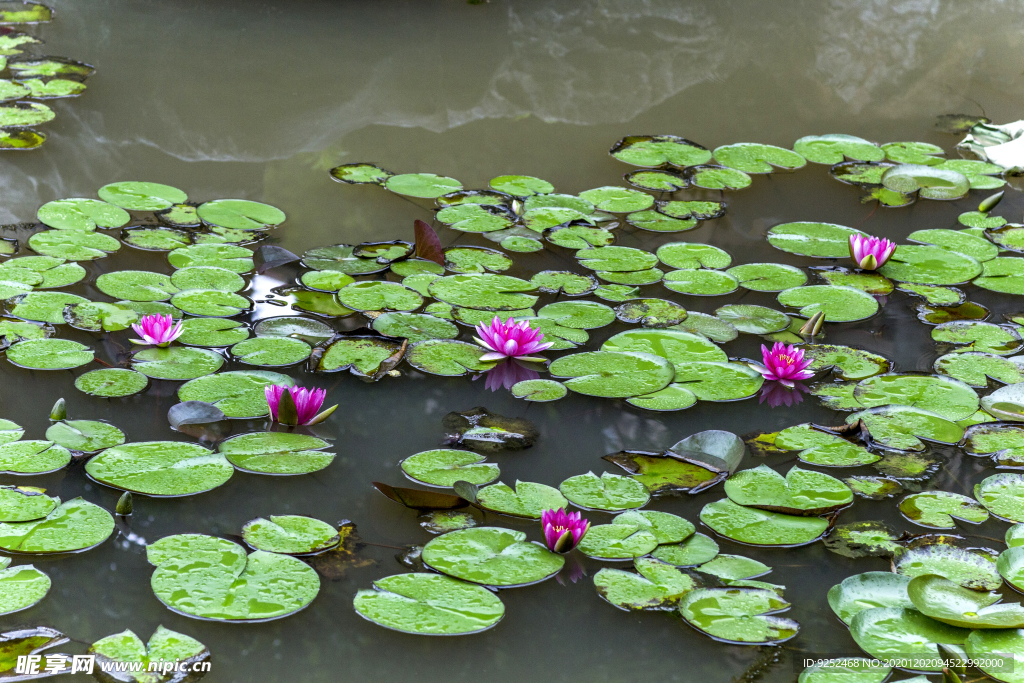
(257, 100)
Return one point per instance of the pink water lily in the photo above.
(510, 340)
(563, 530)
(157, 330)
(306, 403)
(784, 364)
(869, 252)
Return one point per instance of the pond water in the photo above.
(258, 100)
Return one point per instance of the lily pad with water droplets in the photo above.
(767, 277)
(362, 356)
(903, 427)
(930, 265)
(360, 174)
(414, 327)
(613, 374)
(819, 240)
(700, 282)
(476, 217)
(822, 448)
(938, 509)
(950, 398)
(657, 586)
(140, 196)
(834, 148)
(695, 550)
(443, 467)
(653, 313)
(484, 291)
(656, 150)
(238, 394)
(136, 285)
(429, 604)
(475, 260)
(340, 258)
(539, 390)
(845, 362)
(579, 236)
(691, 256)
(655, 221)
(618, 542)
(73, 245)
(888, 632)
(1002, 340)
(959, 241)
(997, 652)
(423, 185)
(839, 304)
(1002, 495)
(212, 332)
(633, 277)
(81, 214)
(49, 354)
(863, 539)
(307, 329)
(761, 527)
(751, 157)
(668, 472)
(753, 319)
(111, 382)
(271, 351)
(870, 590)
(583, 315)
(290, 535)
(212, 578)
(616, 259)
(24, 504)
(708, 326)
(85, 436)
(872, 283)
(738, 615)
(160, 468)
(848, 670)
(527, 499)
(278, 453)
(211, 303)
(176, 362)
(155, 239)
(977, 369)
(609, 492)
(618, 199)
(565, 282)
(165, 647)
(240, 214)
(446, 357)
(71, 527)
(45, 307)
(800, 492)
(33, 457)
(657, 181)
(97, 317)
(491, 556)
(933, 183)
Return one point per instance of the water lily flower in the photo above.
(157, 330)
(506, 375)
(563, 530)
(784, 364)
(869, 252)
(775, 394)
(295, 405)
(510, 340)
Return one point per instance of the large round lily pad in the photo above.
(160, 468)
(527, 499)
(950, 398)
(610, 492)
(800, 492)
(839, 304)
(280, 453)
(761, 527)
(820, 240)
(176, 362)
(613, 374)
(870, 590)
(905, 634)
(491, 556)
(71, 527)
(271, 351)
(950, 603)
(111, 382)
(930, 265)
(738, 615)
(81, 214)
(939, 509)
(445, 466)
(429, 604)
(212, 578)
(290, 535)
(49, 354)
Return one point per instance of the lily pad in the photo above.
(700, 282)
(977, 369)
(424, 185)
(888, 632)
(446, 357)
(444, 467)
(280, 453)
(475, 260)
(73, 245)
(618, 541)
(695, 550)
(872, 283)
(710, 177)
(870, 590)
(1003, 495)
(583, 315)
(49, 354)
(476, 217)
(800, 492)
(657, 586)
(491, 556)
(81, 214)
(948, 602)
(656, 150)
(760, 527)
(863, 539)
(753, 319)
(429, 604)
(959, 241)
(751, 157)
(997, 652)
(738, 615)
(950, 398)
(362, 356)
(930, 265)
(940, 509)
(227, 256)
(360, 174)
(839, 304)
(160, 468)
(212, 578)
(609, 492)
(657, 181)
(71, 527)
(969, 335)
(835, 148)
(819, 240)
(847, 670)
(655, 221)
(290, 535)
(616, 259)
(845, 362)
(527, 499)
(212, 332)
(136, 285)
(165, 648)
(539, 390)
(767, 277)
(238, 394)
(932, 182)
(111, 382)
(138, 196)
(613, 374)
(85, 436)
(414, 327)
(484, 292)
(307, 329)
(618, 199)
(903, 427)
(564, 282)
(176, 362)
(24, 504)
(271, 351)
(342, 259)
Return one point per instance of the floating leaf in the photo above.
(429, 604)
(281, 453)
(239, 394)
(484, 292)
(820, 240)
(360, 174)
(491, 556)
(1002, 340)
(657, 586)
(44, 307)
(1003, 495)
(176, 362)
(609, 492)
(613, 374)
(212, 332)
(738, 615)
(800, 492)
(111, 382)
(863, 539)
(72, 526)
(446, 357)
(666, 473)
(656, 150)
(835, 148)
(85, 436)
(760, 527)
(160, 468)
(165, 648)
(870, 590)
(24, 504)
(444, 467)
(539, 390)
(949, 398)
(939, 509)
(290, 535)
(656, 181)
(751, 157)
(933, 183)
(527, 500)
(695, 550)
(618, 199)
(49, 354)
(618, 541)
(271, 351)
(212, 578)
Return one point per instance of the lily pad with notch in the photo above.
(613, 374)
(444, 467)
(564, 282)
(930, 265)
(742, 616)
(446, 357)
(978, 369)
(165, 648)
(85, 436)
(475, 260)
(657, 181)
(753, 319)
(429, 604)
(696, 550)
(948, 397)
(528, 499)
(751, 157)
(361, 356)
(491, 556)
(839, 304)
(484, 291)
(341, 258)
(1003, 495)
(941, 509)
(25, 503)
(885, 632)
(278, 453)
(111, 382)
(94, 316)
(657, 585)
(845, 362)
(863, 539)
(73, 526)
(652, 151)
(667, 473)
(751, 526)
(160, 468)
(818, 240)
(156, 239)
(360, 174)
(800, 492)
(414, 326)
(834, 148)
(539, 390)
(212, 332)
(624, 541)
(609, 492)
(228, 256)
(239, 394)
(903, 427)
(307, 329)
(928, 181)
(290, 535)
(870, 590)
(970, 335)
(49, 354)
(176, 362)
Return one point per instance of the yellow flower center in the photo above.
(788, 360)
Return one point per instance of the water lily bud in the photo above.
(124, 504)
(812, 327)
(990, 202)
(59, 411)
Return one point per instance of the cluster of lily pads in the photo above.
(27, 79)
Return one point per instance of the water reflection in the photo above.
(506, 374)
(776, 394)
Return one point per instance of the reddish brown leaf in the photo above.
(428, 244)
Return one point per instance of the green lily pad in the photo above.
(696, 550)
(539, 390)
(176, 362)
(656, 181)
(227, 256)
(822, 448)
(657, 586)
(997, 652)
(617, 542)
(839, 304)
(939, 509)
(414, 327)
(655, 150)
(443, 467)
(579, 236)
(97, 317)
(24, 504)
(691, 255)
(279, 453)
(710, 177)
(937, 315)
(360, 174)
(668, 472)
(959, 241)
(819, 240)
(1003, 274)
(753, 319)
(761, 527)
(527, 500)
(708, 326)
(800, 492)
(673, 345)
(271, 351)
(751, 157)
(491, 556)
(211, 303)
(446, 357)
(71, 527)
(424, 185)
(81, 214)
(21, 587)
(949, 398)
(903, 427)
(476, 217)
(652, 313)
(165, 648)
(933, 183)
(1011, 567)
(609, 492)
(111, 382)
(767, 277)
(930, 265)
(613, 374)
(870, 590)
(212, 332)
(49, 354)
(240, 214)
(30, 65)
(907, 467)
(970, 335)
(155, 239)
(667, 528)
(633, 277)
(73, 245)
(1003, 495)
(86, 436)
(46, 307)
(863, 539)
(238, 394)
(136, 285)
(906, 634)
(342, 259)
(872, 283)
(848, 670)
(326, 280)
(845, 362)
(212, 578)
(307, 329)
(362, 356)
(475, 260)
(976, 369)
(738, 615)
(160, 468)
(429, 604)
(290, 535)
(443, 521)
(655, 221)
(484, 291)
(207, 277)
(564, 282)
(913, 153)
(1005, 403)
(700, 282)
(616, 259)
(521, 185)
(835, 148)
(618, 199)
(137, 196)
(616, 292)
(582, 315)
